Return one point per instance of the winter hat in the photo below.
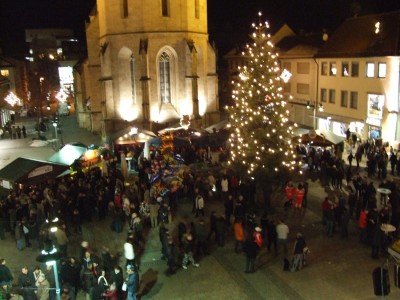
(258, 229)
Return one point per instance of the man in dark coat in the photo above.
(26, 282)
(251, 250)
(220, 230)
(6, 277)
(118, 279)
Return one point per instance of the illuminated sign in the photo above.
(40, 171)
(373, 121)
(375, 106)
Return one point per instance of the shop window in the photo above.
(303, 68)
(324, 95)
(332, 95)
(344, 98)
(165, 8)
(370, 70)
(382, 70)
(353, 100)
(303, 88)
(354, 69)
(345, 69)
(332, 69)
(324, 69)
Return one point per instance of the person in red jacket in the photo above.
(299, 196)
(289, 191)
(362, 224)
(258, 239)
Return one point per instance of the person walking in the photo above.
(298, 253)
(282, 231)
(251, 250)
(132, 282)
(188, 246)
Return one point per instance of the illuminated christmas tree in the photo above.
(261, 139)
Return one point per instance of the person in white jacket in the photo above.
(199, 201)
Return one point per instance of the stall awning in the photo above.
(29, 171)
(68, 154)
(319, 138)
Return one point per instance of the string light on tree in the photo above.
(12, 99)
(261, 139)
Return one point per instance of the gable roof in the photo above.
(356, 37)
(29, 171)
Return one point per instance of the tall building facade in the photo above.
(149, 64)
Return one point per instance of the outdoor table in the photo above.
(384, 192)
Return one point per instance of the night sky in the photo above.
(229, 20)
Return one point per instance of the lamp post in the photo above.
(50, 255)
(40, 115)
(55, 130)
(314, 107)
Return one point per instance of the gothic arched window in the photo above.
(165, 78)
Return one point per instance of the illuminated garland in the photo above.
(261, 138)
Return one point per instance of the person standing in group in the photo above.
(282, 231)
(289, 192)
(239, 235)
(199, 202)
(23, 129)
(6, 278)
(132, 282)
(299, 196)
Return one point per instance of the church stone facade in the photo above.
(149, 64)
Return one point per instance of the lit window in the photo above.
(353, 100)
(165, 8)
(344, 95)
(332, 69)
(332, 96)
(324, 95)
(165, 83)
(382, 70)
(370, 70)
(345, 69)
(324, 68)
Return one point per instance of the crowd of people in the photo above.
(137, 208)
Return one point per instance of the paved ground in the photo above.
(336, 269)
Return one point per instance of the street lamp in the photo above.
(55, 130)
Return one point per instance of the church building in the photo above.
(149, 65)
